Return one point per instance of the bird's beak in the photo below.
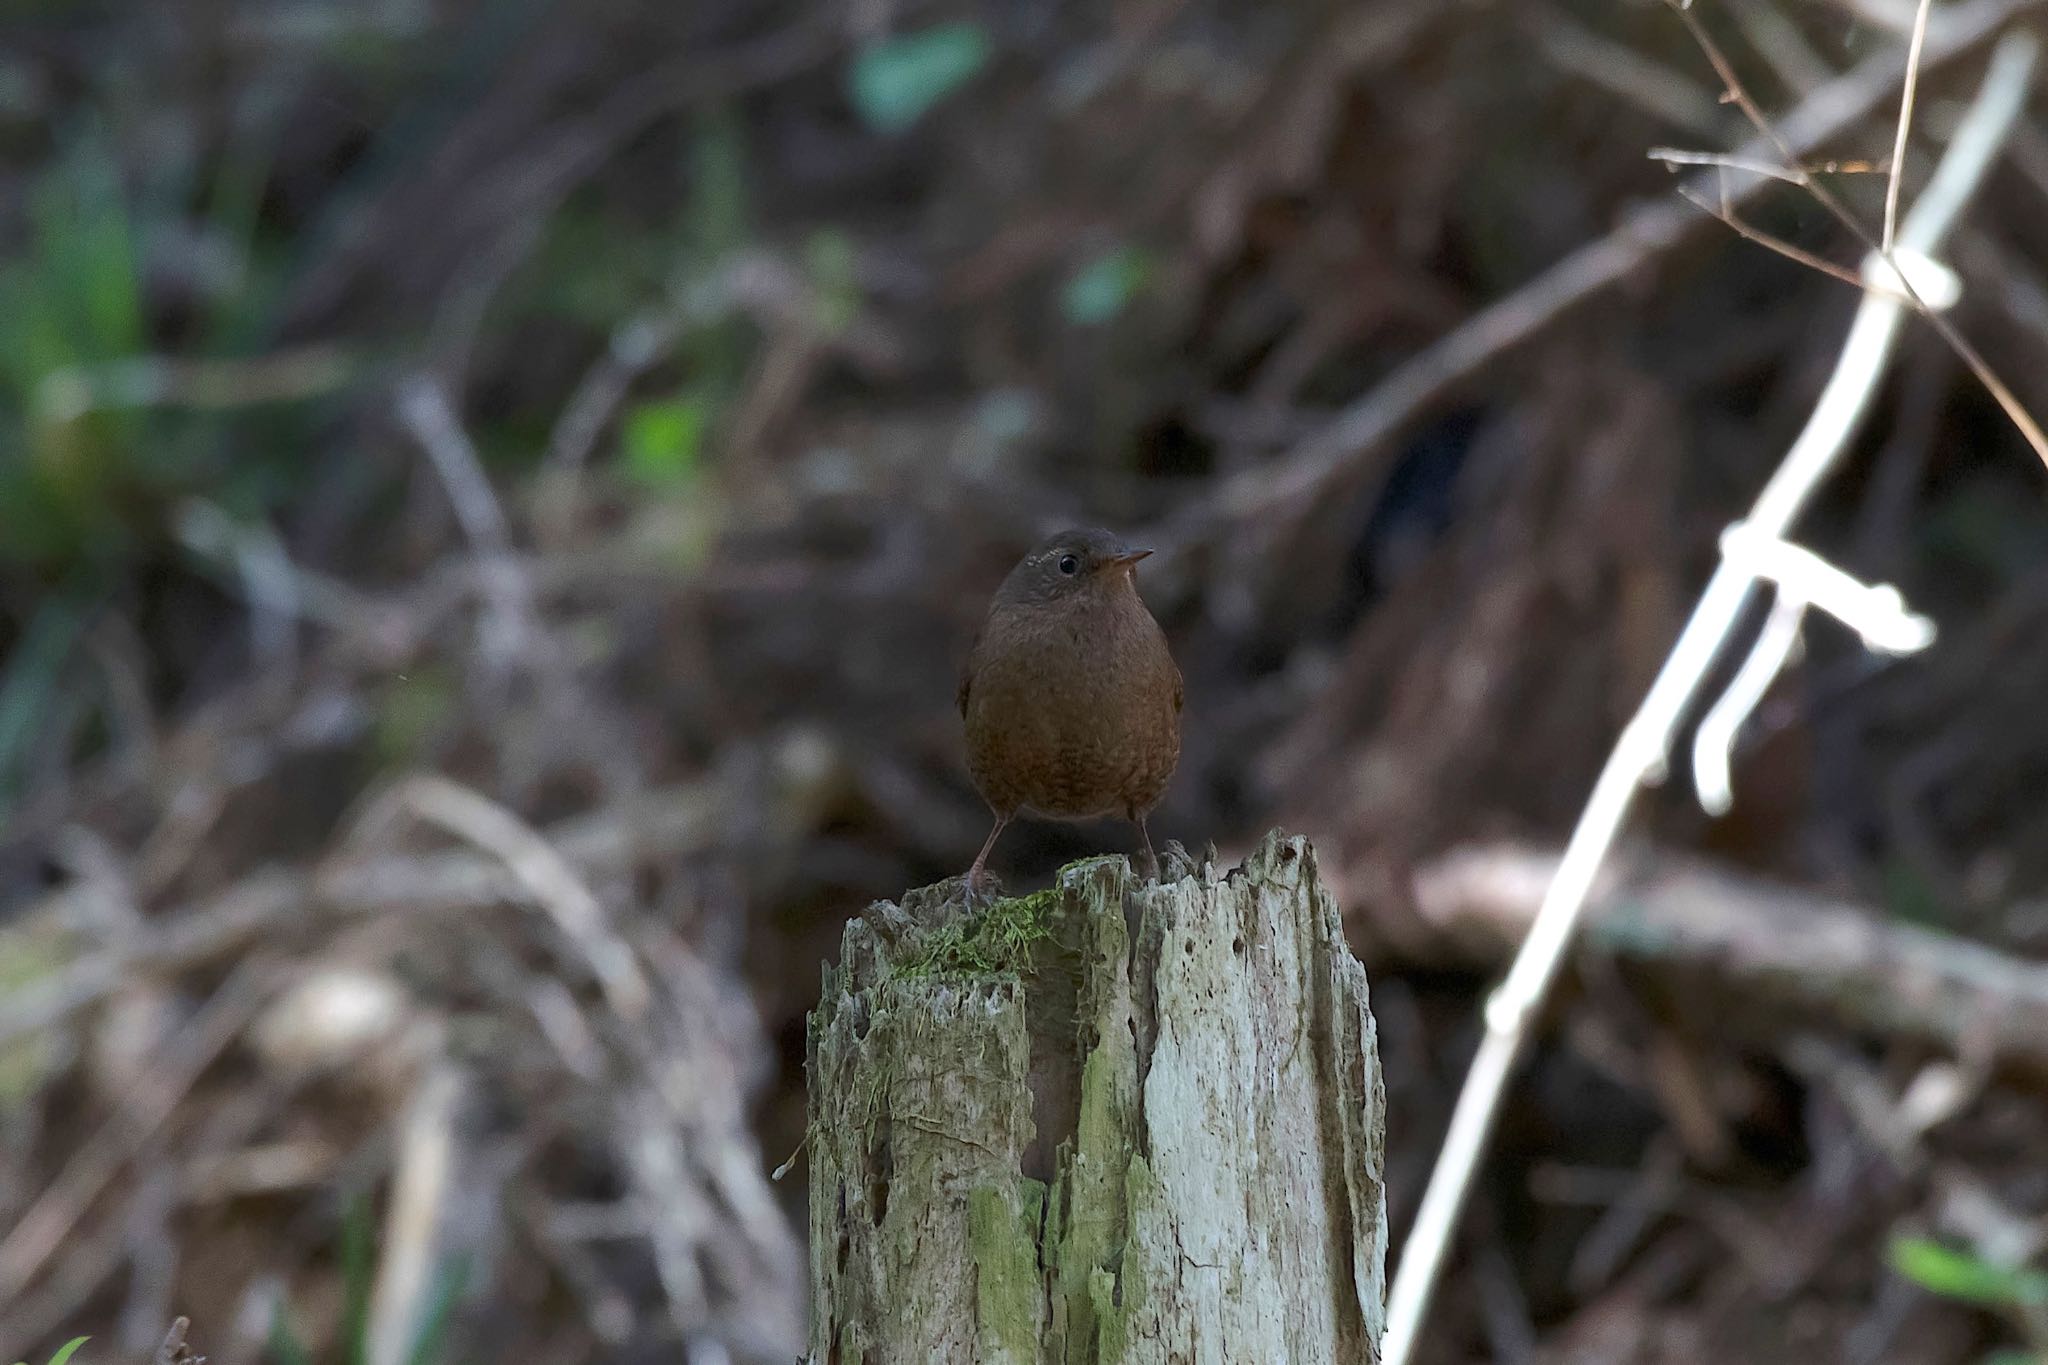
(1126, 559)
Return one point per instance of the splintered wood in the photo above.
(1101, 1123)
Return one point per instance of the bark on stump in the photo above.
(1100, 1123)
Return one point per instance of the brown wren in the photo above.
(1071, 699)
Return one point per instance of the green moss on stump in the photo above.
(1008, 1298)
(997, 941)
(1017, 1111)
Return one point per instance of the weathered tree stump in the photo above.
(1035, 1140)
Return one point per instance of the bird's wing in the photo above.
(1176, 689)
(967, 668)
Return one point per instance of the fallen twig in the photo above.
(174, 1351)
(43, 1227)
(1788, 952)
(547, 876)
(429, 883)
(512, 629)
(430, 1170)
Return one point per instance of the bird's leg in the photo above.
(1150, 871)
(981, 858)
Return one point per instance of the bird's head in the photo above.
(1071, 564)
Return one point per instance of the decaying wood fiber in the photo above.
(1033, 1140)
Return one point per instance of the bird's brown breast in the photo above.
(1072, 708)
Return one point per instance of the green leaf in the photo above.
(662, 440)
(893, 83)
(1100, 289)
(70, 1349)
(1964, 1277)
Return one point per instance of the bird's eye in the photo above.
(1069, 564)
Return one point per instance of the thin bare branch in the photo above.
(2008, 402)
(1341, 448)
(1785, 248)
(1641, 752)
(1732, 83)
(1906, 97)
(1795, 175)
(1678, 156)
(176, 381)
(2014, 410)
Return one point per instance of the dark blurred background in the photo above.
(493, 497)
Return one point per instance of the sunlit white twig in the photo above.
(1639, 754)
(1803, 579)
(1874, 611)
(1713, 744)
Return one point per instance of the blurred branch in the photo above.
(642, 343)
(270, 582)
(174, 1351)
(751, 283)
(424, 407)
(675, 821)
(1882, 250)
(1779, 41)
(1640, 754)
(431, 1167)
(547, 876)
(42, 1229)
(1315, 469)
(509, 196)
(172, 381)
(280, 591)
(1666, 95)
(1683, 156)
(1789, 952)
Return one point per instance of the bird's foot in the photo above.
(979, 890)
(1176, 863)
